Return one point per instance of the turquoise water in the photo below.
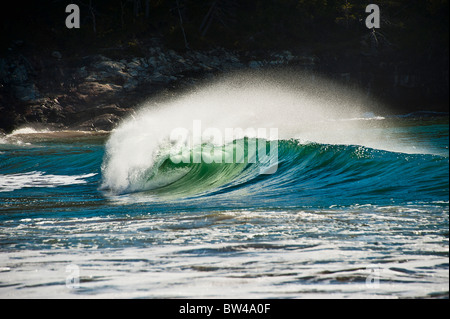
(334, 220)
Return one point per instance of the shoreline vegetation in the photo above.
(126, 52)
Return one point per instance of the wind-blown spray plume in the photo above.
(139, 153)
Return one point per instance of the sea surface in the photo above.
(250, 185)
(333, 221)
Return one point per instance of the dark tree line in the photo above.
(239, 24)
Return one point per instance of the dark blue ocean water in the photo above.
(334, 220)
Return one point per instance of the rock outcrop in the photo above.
(96, 91)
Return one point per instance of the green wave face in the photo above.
(193, 171)
(290, 171)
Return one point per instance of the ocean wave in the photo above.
(328, 135)
(299, 173)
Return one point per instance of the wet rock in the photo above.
(110, 109)
(134, 72)
(131, 84)
(96, 93)
(134, 64)
(100, 117)
(110, 66)
(97, 89)
(108, 71)
(104, 122)
(95, 77)
(47, 111)
(152, 61)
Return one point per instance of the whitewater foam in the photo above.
(299, 107)
(28, 130)
(11, 182)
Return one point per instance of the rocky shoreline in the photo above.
(94, 92)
